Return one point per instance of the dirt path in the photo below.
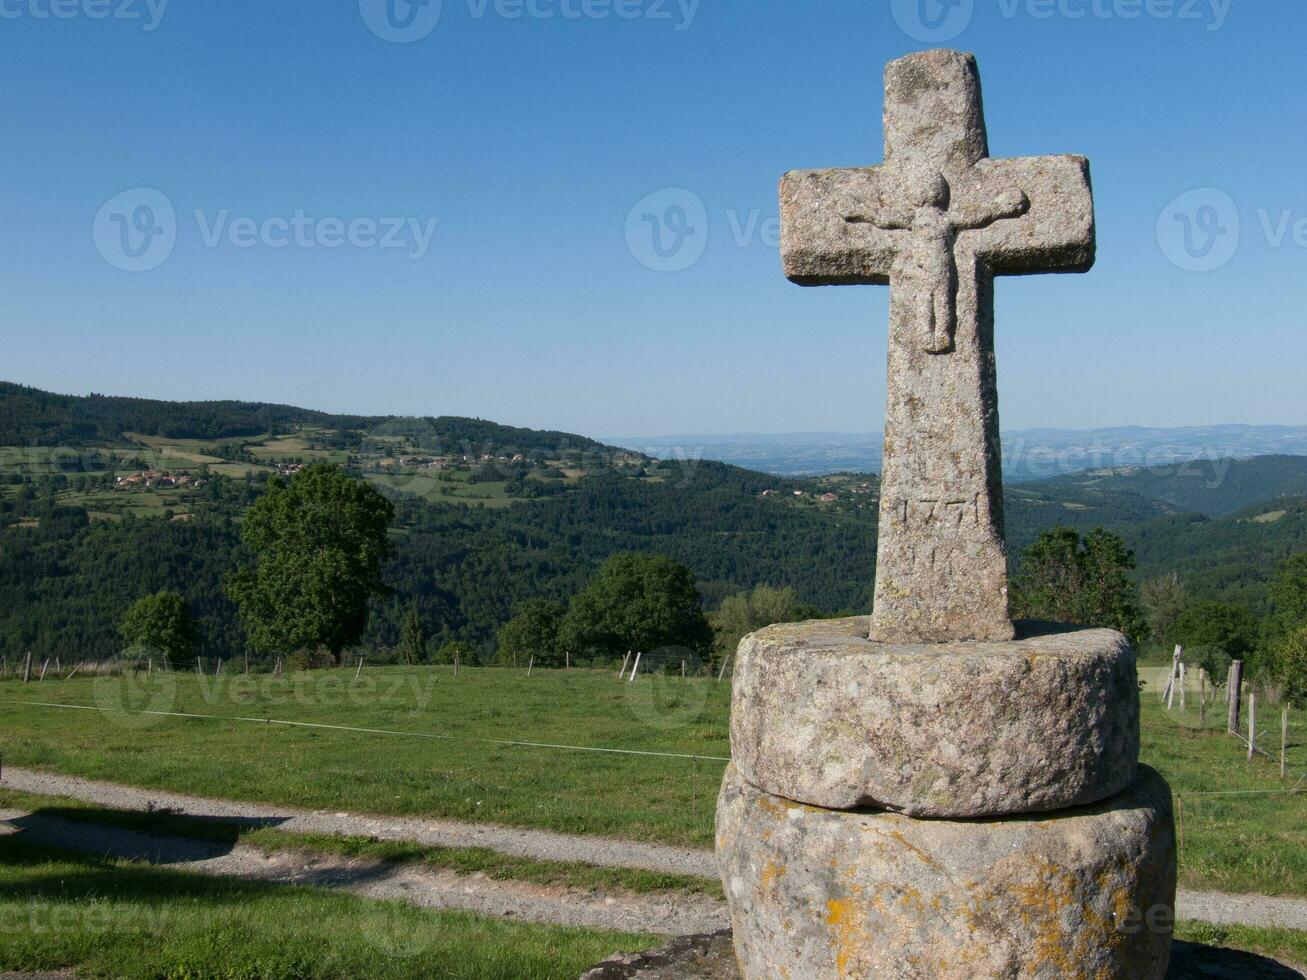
(671, 914)
(1215, 907)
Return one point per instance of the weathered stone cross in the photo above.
(938, 221)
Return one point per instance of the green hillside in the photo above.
(489, 516)
(1210, 487)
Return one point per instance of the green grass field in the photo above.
(126, 920)
(1240, 830)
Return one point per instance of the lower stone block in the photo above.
(816, 894)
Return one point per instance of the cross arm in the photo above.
(836, 226)
(1056, 231)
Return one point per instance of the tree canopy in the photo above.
(161, 622)
(1065, 578)
(318, 543)
(637, 602)
(533, 632)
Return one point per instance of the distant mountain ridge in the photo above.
(32, 417)
(1028, 454)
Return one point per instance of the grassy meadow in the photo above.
(1240, 830)
(121, 919)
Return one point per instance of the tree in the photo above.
(637, 602)
(533, 632)
(1214, 633)
(318, 542)
(1289, 667)
(1067, 579)
(412, 638)
(1288, 595)
(161, 622)
(1164, 599)
(748, 612)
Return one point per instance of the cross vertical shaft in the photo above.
(938, 221)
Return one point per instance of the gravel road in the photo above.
(679, 916)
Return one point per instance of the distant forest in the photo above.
(66, 579)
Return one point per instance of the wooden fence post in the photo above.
(531, 666)
(722, 673)
(567, 660)
(1202, 697)
(1284, 743)
(27, 667)
(1168, 695)
(636, 666)
(456, 665)
(1234, 696)
(625, 661)
(1252, 725)
(44, 665)
(1184, 678)
(359, 673)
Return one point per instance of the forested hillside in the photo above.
(507, 515)
(1210, 487)
(31, 417)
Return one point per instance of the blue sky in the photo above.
(528, 133)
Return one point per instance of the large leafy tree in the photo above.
(318, 543)
(1214, 633)
(533, 632)
(1069, 579)
(637, 602)
(161, 622)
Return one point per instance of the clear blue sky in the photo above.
(530, 139)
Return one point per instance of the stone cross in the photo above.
(938, 221)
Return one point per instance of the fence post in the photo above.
(725, 660)
(625, 660)
(1202, 697)
(531, 666)
(1284, 743)
(359, 673)
(1252, 725)
(1169, 694)
(636, 666)
(1234, 696)
(1184, 677)
(27, 667)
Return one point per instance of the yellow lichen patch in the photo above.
(850, 934)
(770, 873)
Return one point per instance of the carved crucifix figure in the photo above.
(938, 221)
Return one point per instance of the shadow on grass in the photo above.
(100, 834)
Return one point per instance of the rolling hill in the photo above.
(510, 514)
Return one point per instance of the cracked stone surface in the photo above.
(824, 716)
(1086, 894)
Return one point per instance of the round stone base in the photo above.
(1084, 894)
(1045, 722)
